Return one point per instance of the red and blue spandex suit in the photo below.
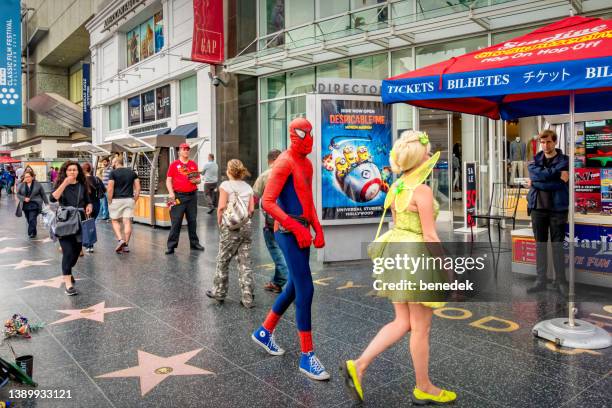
(288, 199)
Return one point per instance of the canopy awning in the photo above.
(8, 160)
(189, 130)
(91, 148)
(61, 110)
(527, 76)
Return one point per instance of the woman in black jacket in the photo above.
(71, 190)
(31, 198)
(97, 190)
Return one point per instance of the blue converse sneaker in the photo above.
(312, 367)
(265, 339)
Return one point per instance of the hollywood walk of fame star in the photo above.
(5, 239)
(56, 282)
(95, 312)
(11, 249)
(26, 264)
(153, 369)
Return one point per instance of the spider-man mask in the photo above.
(300, 131)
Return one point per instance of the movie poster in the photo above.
(133, 46)
(355, 145)
(147, 39)
(159, 31)
(134, 111)
(588, 191)
(606, 191)
(598, 143)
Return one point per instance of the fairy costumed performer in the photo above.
(288, 199)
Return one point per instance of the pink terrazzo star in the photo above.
(26, 264)
(95, 313)
(56, 282)
(12, 249)
(153, 369)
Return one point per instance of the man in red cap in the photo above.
(182, 182)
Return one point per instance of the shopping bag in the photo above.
(88, 231)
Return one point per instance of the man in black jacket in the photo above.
(548, 203)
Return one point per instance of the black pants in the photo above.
(31, 217)
(188, 207)
(211, 196)
(71, 250)
(544, 221)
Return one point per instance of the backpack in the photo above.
(236, 213)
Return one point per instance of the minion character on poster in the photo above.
(355, 145)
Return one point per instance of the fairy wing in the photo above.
(401, 191)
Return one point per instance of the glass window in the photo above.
(326, 8)
(114, 116)
(298, 12)
(76, 87)
(273, 127)
(372, 67)
(134, 111)
(147, 106)
(302, 81)
(430, 54)
(371, 16)
(145, 40)
(340, 69)
(189, 94)
(401, 61)
(163, 102)
(273, 87)
(272, 16)
(497, 38)
(402, 12)
(296, 107)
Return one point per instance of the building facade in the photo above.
(56, 45)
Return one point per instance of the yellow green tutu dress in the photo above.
(406, 238)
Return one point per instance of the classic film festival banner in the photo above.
(10, 63)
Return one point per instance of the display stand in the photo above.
(471, 185)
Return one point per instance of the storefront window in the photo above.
(371, 67)
(497, 38)
(298, 12)
(430, 54)
(146, 39)
(370, 16)
(302, 81)
(273, 127)
(114, 116)
(273, 87)
(189, 94)
(296, 107)
(76, 87)
(147, 105)
(340, 69)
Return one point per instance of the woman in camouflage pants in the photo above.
(234, 242)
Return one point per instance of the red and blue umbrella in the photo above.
(526, 76)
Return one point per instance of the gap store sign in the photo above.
(10, 63)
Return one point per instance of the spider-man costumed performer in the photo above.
(288, 199)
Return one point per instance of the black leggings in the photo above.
(71, 250)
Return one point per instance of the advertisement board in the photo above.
(134, 111)
(10, 63)
(163, 102)
(355, 141)
(86, 95)
(588, 191)
(147, 102)
(470, 207)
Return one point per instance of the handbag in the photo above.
(236, 213)
(68, 219)
(88, 232)
(19, 210)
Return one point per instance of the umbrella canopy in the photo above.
(527, 76)
(8, 160)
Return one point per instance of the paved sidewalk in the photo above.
(142, 333)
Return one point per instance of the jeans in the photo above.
(209, 194)
(103, 215)
(280, 266)
(544, 221)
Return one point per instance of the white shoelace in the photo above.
(316, 364)
(272, 344)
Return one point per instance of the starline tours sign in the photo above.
(207, 45)
(10, 63)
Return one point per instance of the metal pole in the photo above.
(572, 186)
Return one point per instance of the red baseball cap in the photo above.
(184, 146)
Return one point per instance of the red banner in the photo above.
(208, 31)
